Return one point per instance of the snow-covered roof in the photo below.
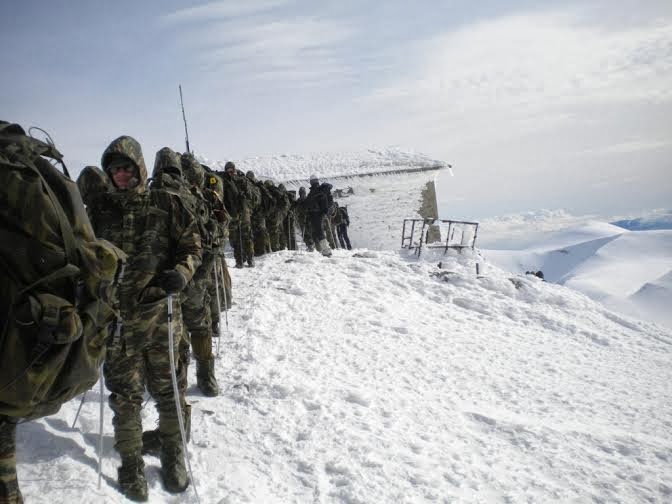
(285, 167)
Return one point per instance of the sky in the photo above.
(536, 104)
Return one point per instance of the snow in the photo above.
(376, 377)
(378, 206)
(610, 264)
(286, 167)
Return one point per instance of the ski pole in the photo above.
(240, 242)
(176, 392)
(219, 307)
(100, 430)
(226, 302)
(79, 410)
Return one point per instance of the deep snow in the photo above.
(370, 378)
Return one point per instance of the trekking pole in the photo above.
(176, 393)
(240, 242)
(79, 410)
(100, 430)
(226, 305)
(219, 308)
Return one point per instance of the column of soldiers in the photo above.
(173, 228)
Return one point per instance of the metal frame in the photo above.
(407, 239)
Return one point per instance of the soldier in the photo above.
(316, 209)
(289, 221)
(162, 241)
(195, 298)
(342, 221)
(262, 241)
(284, 205)
(214, 191)
(302, 219)
(327, 220)
(237, 202)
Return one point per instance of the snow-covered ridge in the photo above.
(627, 270)
(374, 378)
(286, 167)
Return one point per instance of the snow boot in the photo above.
(9, 484)
(173, 469)
(131, 477)
(324, 248)
(205, 377)
(151, 443)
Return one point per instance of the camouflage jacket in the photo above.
(157, 233)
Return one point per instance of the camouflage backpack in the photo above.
(57, 282)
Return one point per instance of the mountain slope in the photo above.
(371, 378)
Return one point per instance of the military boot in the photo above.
(151, 443)
(250, 262)
(131, 474)
(205, 377)
(324, 248)
(173, 469)
(9, 483)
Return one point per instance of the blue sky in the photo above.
(536, 104)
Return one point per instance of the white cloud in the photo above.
(218, 10)
(298, 50)
(532, 61)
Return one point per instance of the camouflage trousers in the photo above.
(196, 315)
(9, 484)
(240, 237)
(225, 296)
(315, 226)
(262, 240)
(329, 232)
(277, 233)
(306, 232)
(126, 377)
(288, 232)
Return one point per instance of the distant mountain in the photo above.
(627, 271)
(659, 220)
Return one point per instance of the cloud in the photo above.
(532, 61)
(297, 49)
(219, 10)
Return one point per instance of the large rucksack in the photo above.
(57, 282)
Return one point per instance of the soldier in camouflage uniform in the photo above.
(262, 240)
(301, 218)
(288, 224)
(164, 249)
(214, 192)
(195, 298)
(240, 228)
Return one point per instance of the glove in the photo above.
(171, 281)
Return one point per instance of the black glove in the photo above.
(172, 281)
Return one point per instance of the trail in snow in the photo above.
(371, 378)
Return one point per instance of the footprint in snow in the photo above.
(358, 398)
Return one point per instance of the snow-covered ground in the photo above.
(285, 167)
(626, 270)
(373, 378)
